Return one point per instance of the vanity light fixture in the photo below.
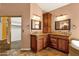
(62, 17)
(35, 17)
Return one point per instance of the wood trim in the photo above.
(9, 29)
(4, 34)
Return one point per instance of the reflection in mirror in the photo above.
(35, 25)
(62, 25)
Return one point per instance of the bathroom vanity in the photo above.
(59, 42)
(56, 41)
(38, 42)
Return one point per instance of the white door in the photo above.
(15, 32)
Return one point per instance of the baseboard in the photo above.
(25, 49)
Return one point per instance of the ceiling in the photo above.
(46, 7)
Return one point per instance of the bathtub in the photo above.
(75, 44)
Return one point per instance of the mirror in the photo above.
(35, 24)
(62, 25)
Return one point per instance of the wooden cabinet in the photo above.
(38, 42)
(63, 45)
(59, 42)
(45, 41)
(33, 43)
(47, 23)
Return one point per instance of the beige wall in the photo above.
(73, 11)
(23, 10)
(26, 11)
(36, 10)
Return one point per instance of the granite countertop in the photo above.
(40, 35)
(54, 33)
(63, 34)
(60, 34)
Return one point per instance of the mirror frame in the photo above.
(69, 23)
(32, 24)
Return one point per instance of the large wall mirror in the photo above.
(35, 23)
(62, 25)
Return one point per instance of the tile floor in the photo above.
(45, 52)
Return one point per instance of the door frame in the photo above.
(10, 30)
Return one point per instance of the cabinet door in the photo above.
(45, 29)
(40, 44)
(45, 41)
(53, 42)
(49, 19)
(46, 22)
(33, 43)
(63, 45)
(49, 22)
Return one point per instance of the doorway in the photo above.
(15, 32)
(10, 32)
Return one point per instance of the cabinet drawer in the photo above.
(53, 40)
(53, 45)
